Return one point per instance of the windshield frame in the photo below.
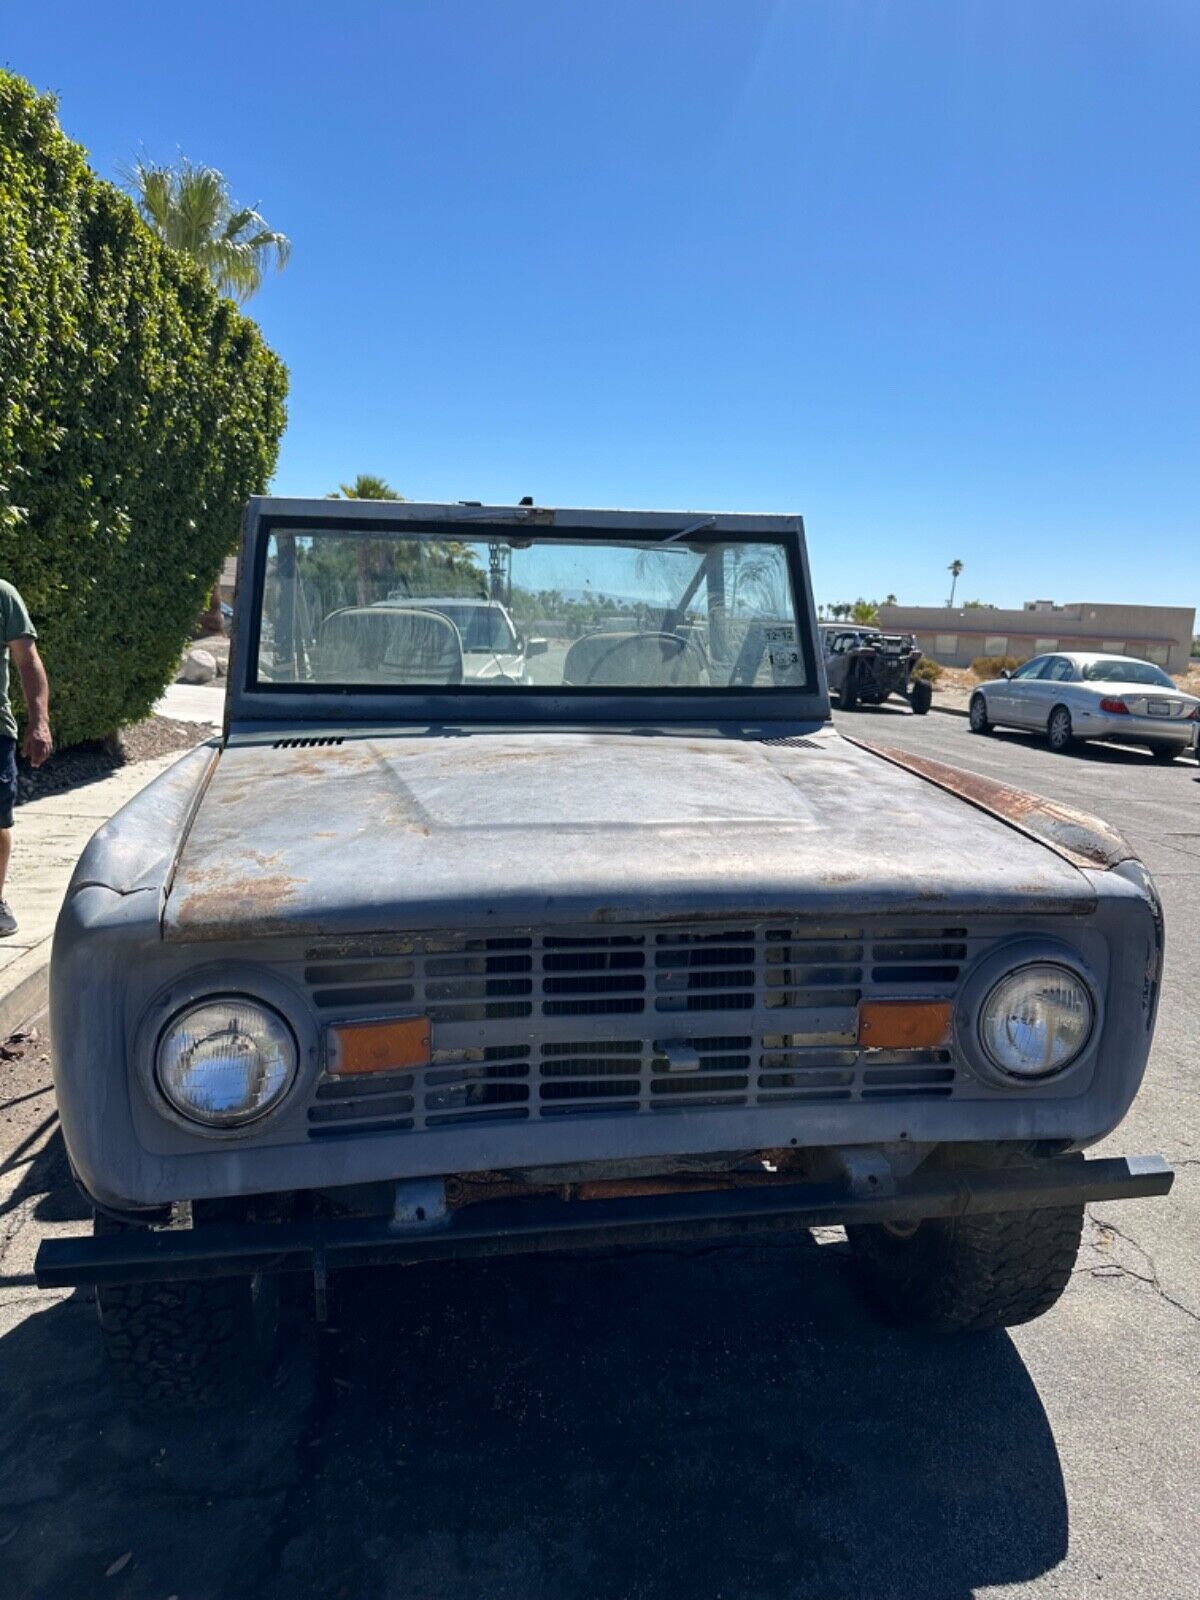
(251, 700)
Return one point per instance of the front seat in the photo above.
(374, 645)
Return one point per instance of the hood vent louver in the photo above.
(796, 741)
(305, 744)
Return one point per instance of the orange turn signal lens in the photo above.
(903, 1024)
(378, 1046)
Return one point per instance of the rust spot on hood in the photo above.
(250, 895)
(1083, 840)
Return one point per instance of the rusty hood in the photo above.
(504, 829)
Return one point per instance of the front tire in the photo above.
(1165, 752)
(921, 697)
(849, 695)
(188, 1345)
(968, 1274)
(978, 716)
(1059, 730)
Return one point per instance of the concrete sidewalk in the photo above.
(193, 702)
(48, 838)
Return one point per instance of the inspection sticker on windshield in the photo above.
(780, 635)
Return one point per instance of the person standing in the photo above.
(20, 641)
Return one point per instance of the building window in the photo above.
(945, 644)
(1117, 646)
(1045, 647)
(995, 645)
(1160, 654)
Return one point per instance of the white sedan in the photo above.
(1090, 695)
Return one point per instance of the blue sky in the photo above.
(924, 270)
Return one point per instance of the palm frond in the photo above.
(191, 208)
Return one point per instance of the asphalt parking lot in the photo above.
(708, 1423)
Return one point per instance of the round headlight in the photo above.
(226, 1062)
(1036, 1020)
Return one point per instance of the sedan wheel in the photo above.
(1162, 751)
(979, 716)
(1060, 732)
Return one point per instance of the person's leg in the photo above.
(8, 796)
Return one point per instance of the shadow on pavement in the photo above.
(725, 1423)
(43, 1176)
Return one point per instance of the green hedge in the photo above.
(138, 411)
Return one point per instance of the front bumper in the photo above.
(527, 1227)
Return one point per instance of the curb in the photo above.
(950, 711)
(25, 994)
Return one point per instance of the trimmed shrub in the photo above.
(988, 667)
(138, 412)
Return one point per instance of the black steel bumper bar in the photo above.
(525, 1227)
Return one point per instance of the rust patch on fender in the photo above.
(1082, 840)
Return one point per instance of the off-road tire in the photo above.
(1059, 730)
(921, 696)
(848, 694)
(1165, 752)
(978, 715)
(187, 1345)
(969, 1274)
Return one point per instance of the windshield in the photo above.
(1122, 670)
(360, 610)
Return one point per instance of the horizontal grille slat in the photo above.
(688, 1017)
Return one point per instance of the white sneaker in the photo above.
(8, 923)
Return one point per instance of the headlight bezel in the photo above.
(164, 1130)
(1025, 970)
(241, 1123)
(1004, 962)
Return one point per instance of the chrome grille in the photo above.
(690, 1016)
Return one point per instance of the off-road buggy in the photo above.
(865, 666)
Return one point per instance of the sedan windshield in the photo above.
(373, 610)
(1121, 669)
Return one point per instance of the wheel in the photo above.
(1165, 752)
(848, 696)
(1059, 730)
(979, 717)
(187, 1345)
(921, 697)
(968, 1274)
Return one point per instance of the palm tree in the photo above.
(864, 611)
(368, 487)
(954, 569)
(191, 208)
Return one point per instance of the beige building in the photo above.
(955, 637)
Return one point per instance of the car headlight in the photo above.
(1036, 1020)
(225, 1062)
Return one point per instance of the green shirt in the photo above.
(14, 619)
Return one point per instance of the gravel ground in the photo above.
(83, 763)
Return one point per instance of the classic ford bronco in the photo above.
(616, 942)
